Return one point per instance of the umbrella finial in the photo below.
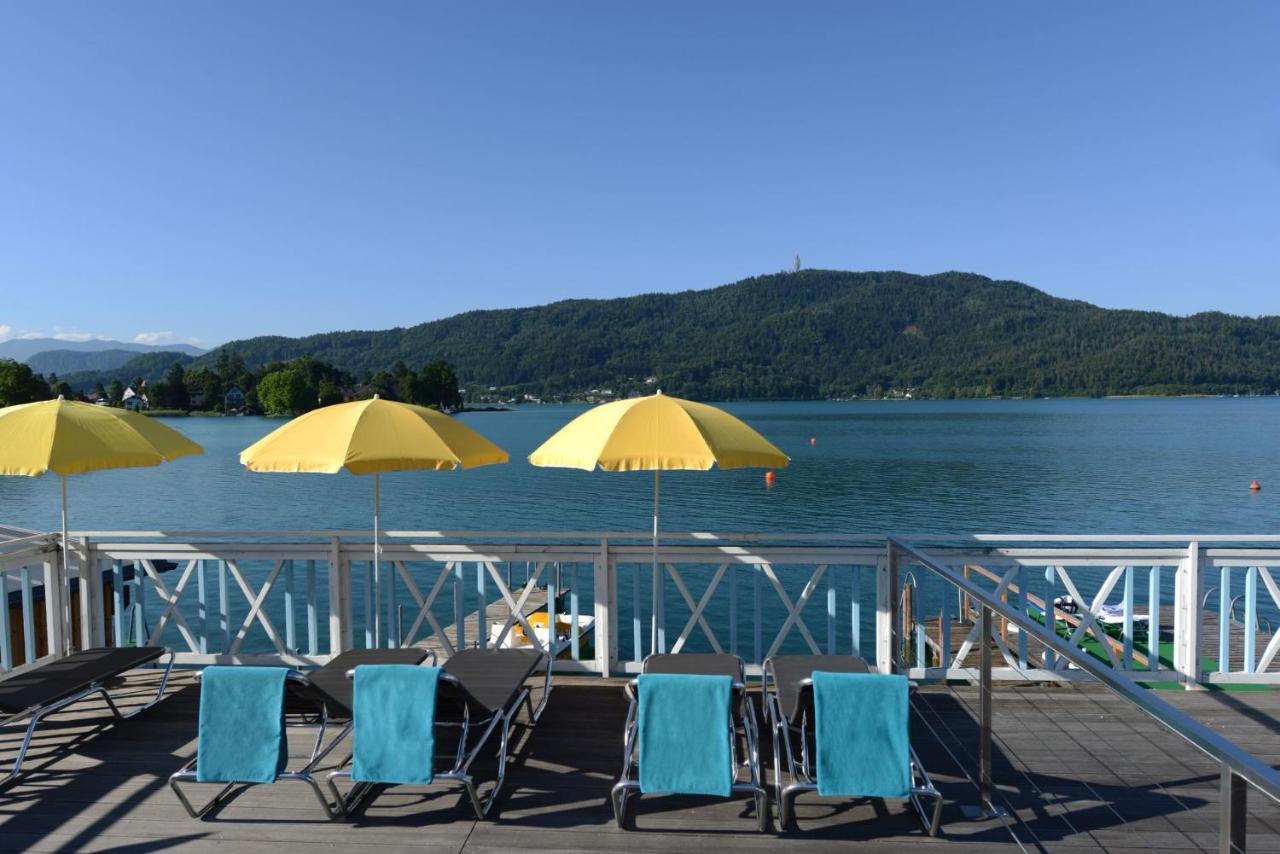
(658, 392)
(60, 397)
(377, 396)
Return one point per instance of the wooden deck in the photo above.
(1078, 769)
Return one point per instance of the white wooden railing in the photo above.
(300, 597)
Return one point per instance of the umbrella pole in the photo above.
(65, 583)
(658, 639)
(377, 568)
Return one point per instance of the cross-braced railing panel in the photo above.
(213, 604)
(1186, 612)
(702, 598)
(1094, 605)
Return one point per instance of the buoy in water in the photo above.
(813, 440)
(770, 478)
(1255, 486)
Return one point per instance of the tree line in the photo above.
(287, 387)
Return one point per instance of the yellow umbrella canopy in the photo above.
(657, 433)
(371, 437)
(70, 437)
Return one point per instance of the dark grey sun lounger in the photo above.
(319, 698)
(744, 756)
(480, 692)
(789, 710)
(51, 687)
(323, 696)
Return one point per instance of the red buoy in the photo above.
(813, 440)
(1255, 486)
(770, 478)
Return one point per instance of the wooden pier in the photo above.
(1035, 650)
(1078, 769)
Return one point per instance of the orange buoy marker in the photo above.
(813, 440)
(770, 478)
(1255, 486)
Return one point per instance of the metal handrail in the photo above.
(1242, 763)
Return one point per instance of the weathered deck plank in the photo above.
(1079, 770)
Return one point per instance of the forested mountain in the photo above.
(71, 361)
(23, 349)
(151, 367)
(820, 333)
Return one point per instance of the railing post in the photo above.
(1187, 618)
(606, 606)
(339, 600)
(886, 611)
(1232, 813)
(56, 617)
(986, 807)
(93, 629)
(984, 705)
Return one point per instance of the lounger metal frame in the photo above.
(38, 713)
(187, 773)
(629, 786)
(801, 777)
(466, 752)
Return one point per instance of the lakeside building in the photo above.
(135, 401)
(233, 399)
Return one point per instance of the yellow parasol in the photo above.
(657, 433)
(69, 437)
(371, 437)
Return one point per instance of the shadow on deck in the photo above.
(1076, 767)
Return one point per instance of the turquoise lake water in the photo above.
(1158, 466)
(1069, 466)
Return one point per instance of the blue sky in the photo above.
(212, 170)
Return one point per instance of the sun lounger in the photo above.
(51, 687)
(319, 698)
(478, 692)
(690, 730)
(242, 734)
(859, 754)
(323, 697)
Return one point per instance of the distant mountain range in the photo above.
(820, 333)
(54, 354)
(811, 334)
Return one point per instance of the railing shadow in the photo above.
(45, 799)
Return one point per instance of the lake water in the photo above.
(1037, 466)
(1043, 466)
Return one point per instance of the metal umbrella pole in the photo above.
(658, 638)
(65, 583)
(377, 566)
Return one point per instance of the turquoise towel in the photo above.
(684, 734)
(861, 728)
(241, 725)
(395, 718)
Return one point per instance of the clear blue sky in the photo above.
(224, 169)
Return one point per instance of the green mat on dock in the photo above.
(1093, 647)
